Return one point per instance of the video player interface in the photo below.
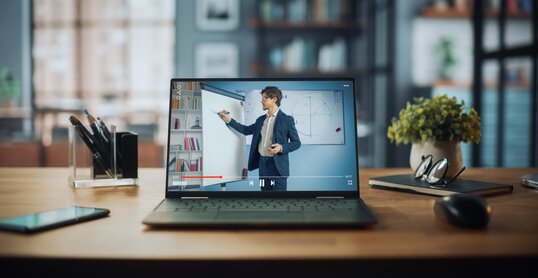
(262, 135)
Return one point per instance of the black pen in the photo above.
(91, 143)
(108, 135)
(92, 138)
(97, 130)
(105, 130)
(102, 140)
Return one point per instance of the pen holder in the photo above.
(101, 163)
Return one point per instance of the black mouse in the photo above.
(463, 210)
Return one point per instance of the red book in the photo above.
(193, 167)
(512, 7)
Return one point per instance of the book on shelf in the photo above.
(408, 183)
(196, 165)
(196, 102)
(192, 85)
(182, 165)
(185, 165)
(176, 123)
(300, 54)
(191, 144)
(175, 102)
(333, 56)
(299, 11)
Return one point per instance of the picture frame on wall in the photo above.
(217, 15)
(217, 59)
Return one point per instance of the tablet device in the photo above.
(49, 219)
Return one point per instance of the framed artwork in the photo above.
(217, 59)
(217, 15)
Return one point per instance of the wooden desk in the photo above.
(407, 237)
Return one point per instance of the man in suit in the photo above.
(273, 136)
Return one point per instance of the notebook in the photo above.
(261, 153)
(408, 183)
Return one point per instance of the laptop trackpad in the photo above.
(260, 217)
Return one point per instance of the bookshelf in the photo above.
(301, 37)
(334, 38)
(454, 13)
(185, 162)
(463, 9)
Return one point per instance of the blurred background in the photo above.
(116, 58)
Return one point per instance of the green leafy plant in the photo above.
(10, 88)
(446, 57)
(439, 118)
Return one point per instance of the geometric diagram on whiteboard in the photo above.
(318, 115)
(312, 116)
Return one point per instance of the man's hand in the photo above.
(225, 116)
(274, 149)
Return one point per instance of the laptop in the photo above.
(262, 153)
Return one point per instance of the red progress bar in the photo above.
(202, 177)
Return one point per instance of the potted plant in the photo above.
(10, 89)
(436, 126)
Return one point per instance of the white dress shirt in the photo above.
(267, 134)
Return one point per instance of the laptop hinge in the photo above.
(330, 197)
(187, 198)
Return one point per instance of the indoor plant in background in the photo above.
(10, 89)
(436, 126)
(446, 58)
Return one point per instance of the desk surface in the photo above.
(407, 226)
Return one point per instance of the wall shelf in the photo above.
(453, 13)
(312, 38)
(340, 25)
(313, 72)
(186, 130)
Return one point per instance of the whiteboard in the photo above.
(223, 149)
(319, 115)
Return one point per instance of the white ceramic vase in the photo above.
(450, 150)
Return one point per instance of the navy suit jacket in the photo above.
(284, 133)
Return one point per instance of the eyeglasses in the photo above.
(434, 174)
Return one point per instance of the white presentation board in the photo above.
(223, 148)
(319, 115)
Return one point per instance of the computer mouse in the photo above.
(463, 210)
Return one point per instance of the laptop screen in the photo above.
(262, 135)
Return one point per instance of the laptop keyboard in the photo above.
(258, 205)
